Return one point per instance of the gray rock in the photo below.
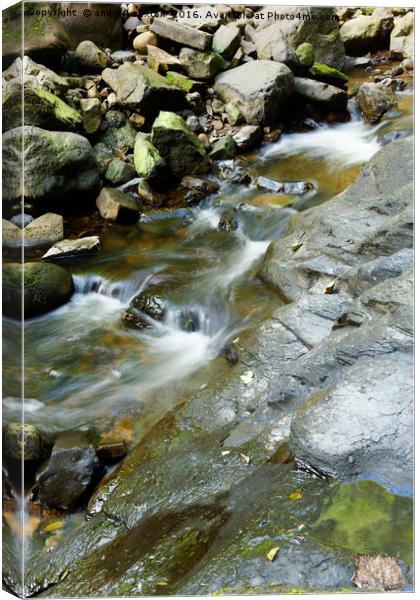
(119, 135)
(402, 36)
(119, 171)
(138, 87)
(316, 25)
(201, 65)
(45, 287)
(226, 40)
(69, 473)
(43, 231)
(92, 114)
(80, 27)
(248, 137)
(56, 164)
(374, 100)
(181, 34)
(90, 57)
(260, 89)
(271, 44)
(70, 248)
(361, 35)
(21, 220)
(224, 148)
(115, 205)
(321, 94)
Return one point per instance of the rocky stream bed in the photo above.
(217, 229)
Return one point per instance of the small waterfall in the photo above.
(122, 290)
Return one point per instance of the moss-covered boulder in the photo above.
(306, 55)
(183, 82)
(328, 74)
(201, 65)
(179, 146)
(58, 165)
(141, 88)
(45, 287)
(42, 108)
(147, 161)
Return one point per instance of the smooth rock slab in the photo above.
(260, 89)
(67, 248)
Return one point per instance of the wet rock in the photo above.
(45, 286)
(119, 171)
(226, 40)
(151, 304)
(232, 171)
(356, 62)
(259, 89)
(361, 35)
(230, 353)
(148, 162)
(321, 94)
(229, 220)
(80, 27)
(179, 146)
(248, 137)
(138, 87)
(147, 38)
(294, 188)
(205, 186)
(92, 117)
(224, 148)
(70, 169)
(316, 25)
(90, 57)
(270, 184)
(22, 442)
(374, 100)
(181, 34)
(69, 473)
(201, 65)
(271, 43)
(305, 55)
(71, 248)
(328, 74)
(111, 452)
(115, 205)
(378, 573)
(45, 38)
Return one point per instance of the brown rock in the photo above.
(378, 573)
(115, 205)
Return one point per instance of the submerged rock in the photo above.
(69, 473)
(260, 89)
(22, 442)
(45, 287)
(374, 100)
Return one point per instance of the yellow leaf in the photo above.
(271, 554)
(295, 496)
(162, 583)
(54, 526)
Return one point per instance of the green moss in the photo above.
(365, 518)
(147, 159)
(305, 54)
(62, 111)
(171, 121)
(326, 73)
(182, 82)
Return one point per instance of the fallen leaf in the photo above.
(295, 496)
(54, 526)
(246, 458)
(247, 377)
(271, 554)
(162, 583)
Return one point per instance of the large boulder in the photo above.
(43, 38)
(179, 146)
(362, 34)
(315, 24)
(260, 89)
(321, 94)
(99, 23)
(45, 287)
(226, 40)
(57, 165)
(271, 43)
(374, 100)
(402, 36)
(141, 88)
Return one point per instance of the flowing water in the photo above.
(84, 368)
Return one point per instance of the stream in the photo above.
(84, 368)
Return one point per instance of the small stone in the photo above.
(228, 220)
(147, 161)
(248, 137)
(111, 452)
(378, 573)
(199, 184)
(92, 117)
(204, 140)
(270, 184)
(305, 54)
(224, 148)
(230, 353)
(160, 61)
(115, 205)
(233, 114)
(21, 220)
(69, 248)
(46, 229)
(119, 171)
(22, 442)
(137, 120)
(201, 65)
